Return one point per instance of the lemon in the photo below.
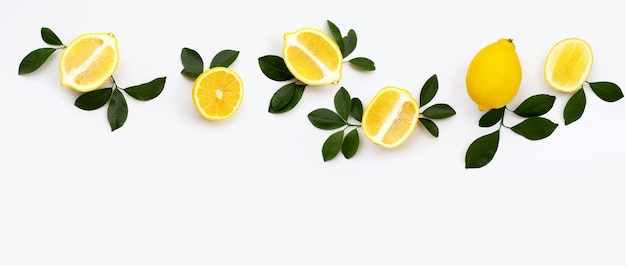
(217, 93)
(494, 75)
(88, 61)
(390, 117)
(312, 57)
(568, 64)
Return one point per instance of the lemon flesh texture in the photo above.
(217, 93)
(312, 57)
(494, 75)
(89, 61)
(391, 117)
(568, 65)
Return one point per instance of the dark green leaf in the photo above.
(343, 104)
(49, 37)
(492, 117)
(33, 60)
(349, 43)
(94, 99)
(192, 63)
(274, 68)
(535, 128)
(430, 126)
(336, 33)
(286, 98)
(439, 111)
(575, 107)
(332, 146)
(357, 109)
(350, 144)
(482, 150)
(535, 105)
(607, 91)
(224, 58)
(429, 90)
(326, 119)
(147, 91)
(363, 63)
(118, 110)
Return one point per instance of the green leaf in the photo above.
(94, 99)
(429, 90)
(343, 104)
(350, 144)
(147, 91)
(492, 117)
(362, 63)
(535, 105)
(33, 60)
(336, 33)
(357, 109)
(430, 126)
(192, 63)
(224, 58)
(482, 150)
(332, 146)
(286, 98)
(118, 110)
(575, 107)
(607, 91)
(274, 68)
(439, 111)
(326, 119)
(535, 128)
(349, 43)
(50, 37)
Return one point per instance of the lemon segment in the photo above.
(568, 64)
(390, 117)
(312, 57)
(217, 93)
(88, 61)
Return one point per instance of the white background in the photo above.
(170, 188)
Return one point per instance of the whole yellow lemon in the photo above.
(494, 75)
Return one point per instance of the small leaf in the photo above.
(350, 144)
(535, 105)
(147, 91)
(224, 58)
(33, 60)
(50, 37)
(535, 128)
(357, 109)
(286, 98)
(192, 63)
(575, 107)
(607, 91)
(439, 111)
(343, 104)
(274, 68)
(117, 111)
(363, 63)
(482, 150)
(349, 43)
(430, 126)
(492, 117)
(429, 90)
(332, 146)
(94, 99)
(336, 33)
(326, 119)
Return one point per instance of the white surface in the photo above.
(170, 188)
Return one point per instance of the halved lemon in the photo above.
(390, 117)
(568, 64)
(312, 57)
(88, 61)
(217, 93)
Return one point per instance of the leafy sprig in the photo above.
(36, 58)
(575, 106)
(193, 65)
(435, 111)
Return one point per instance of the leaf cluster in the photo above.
(435, 111)
(36, 58)
(575, 106)
(193, 65)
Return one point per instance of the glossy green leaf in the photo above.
(575, 107)
(343, 103)
(224, 58)
(274, 68)
(326, 119)
(94, 99)
(429, 90)
(439, 111)
(336, 34)
(357, 109)
(35, 59)
(535, 105)
(535, 128)
(350, 144)
(363, 63)
(50, 37)
(286, 98)
(349, 43)
(432, 128)
(117, 111)
(482, 150)
(193, 65)
(332, 146)
(147, 91)
(607, 91)
(492, 117)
